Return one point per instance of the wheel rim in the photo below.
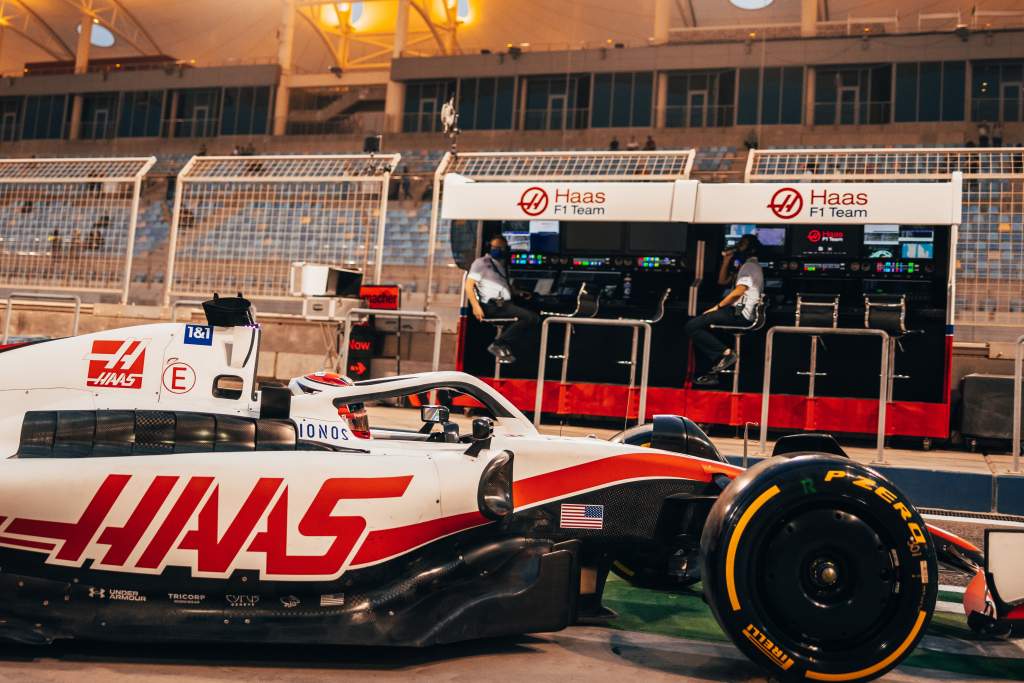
(828, 580)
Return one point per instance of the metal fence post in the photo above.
(1018, 361)
(883, 394)
(596, 322)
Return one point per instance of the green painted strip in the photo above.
(685, 615)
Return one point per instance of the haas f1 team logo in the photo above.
(191, 522)
(534, 201)
(116, 364)
(786, 203)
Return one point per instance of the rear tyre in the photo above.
(819, 568)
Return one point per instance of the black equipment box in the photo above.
(987, 406)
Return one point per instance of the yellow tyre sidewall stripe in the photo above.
(734, 542)
(893, 656)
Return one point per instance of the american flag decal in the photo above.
(581, 516)
(332, 600)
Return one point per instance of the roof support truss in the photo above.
(115, 17)
(19, 18)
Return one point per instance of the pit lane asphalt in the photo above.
(576, 654)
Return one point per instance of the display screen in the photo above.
(898, 241)
(822, 241)
(544, 237)
(656, 238)
(592, 238)
(773, 239)
(517, 241)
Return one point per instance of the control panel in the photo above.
(851, 261)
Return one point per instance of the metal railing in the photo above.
(400, 313)
(883, 386)
(1018, 361)
(32, 296)
(637, 325)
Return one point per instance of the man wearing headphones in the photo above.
(736, 308)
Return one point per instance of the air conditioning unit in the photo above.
(328, 308)
(311, 279)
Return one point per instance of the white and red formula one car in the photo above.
(150, 490)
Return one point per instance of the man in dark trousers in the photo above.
(736, 308)
(490, 293)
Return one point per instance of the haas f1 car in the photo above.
(151, 490)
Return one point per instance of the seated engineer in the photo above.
(736, 309)
(490, 293)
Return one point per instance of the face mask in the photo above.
(497, 252)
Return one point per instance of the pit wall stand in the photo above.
(636, 325)
(33, 296)
(883, 383)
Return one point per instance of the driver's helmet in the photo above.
(353, 413)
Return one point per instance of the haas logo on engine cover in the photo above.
(191, 522)
(116, 364)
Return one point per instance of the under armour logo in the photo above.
(100, 593)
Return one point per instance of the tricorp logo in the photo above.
(786, 203)
(116, 364)
(534, 201)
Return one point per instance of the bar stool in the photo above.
(888, 312)
(738, 331)
(816, 310)
(499, 327)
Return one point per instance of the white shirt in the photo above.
(751, 275)
(491, 278)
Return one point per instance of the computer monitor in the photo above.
(592, 237)
(772, 239)
(829, 240)
(656, 238)
(890, 241)
(517, 234)
(881, 241)
(544, 237)
(917, 242)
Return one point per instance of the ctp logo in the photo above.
(534, 201)
(786, 203)
(814, 236)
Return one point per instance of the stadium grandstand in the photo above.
(134, 78)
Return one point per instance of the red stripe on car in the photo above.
(384, 543)
(611, 470)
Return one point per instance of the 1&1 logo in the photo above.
(786, 203)
(534, 201)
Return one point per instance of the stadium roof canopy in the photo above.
(222, 32)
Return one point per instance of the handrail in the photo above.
(1018, 361)
(74, 298)
(821, 331)
(600, 322)
(400, 313)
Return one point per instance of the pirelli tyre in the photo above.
(818, 568)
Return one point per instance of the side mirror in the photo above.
(434, 414)
(483, 428)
